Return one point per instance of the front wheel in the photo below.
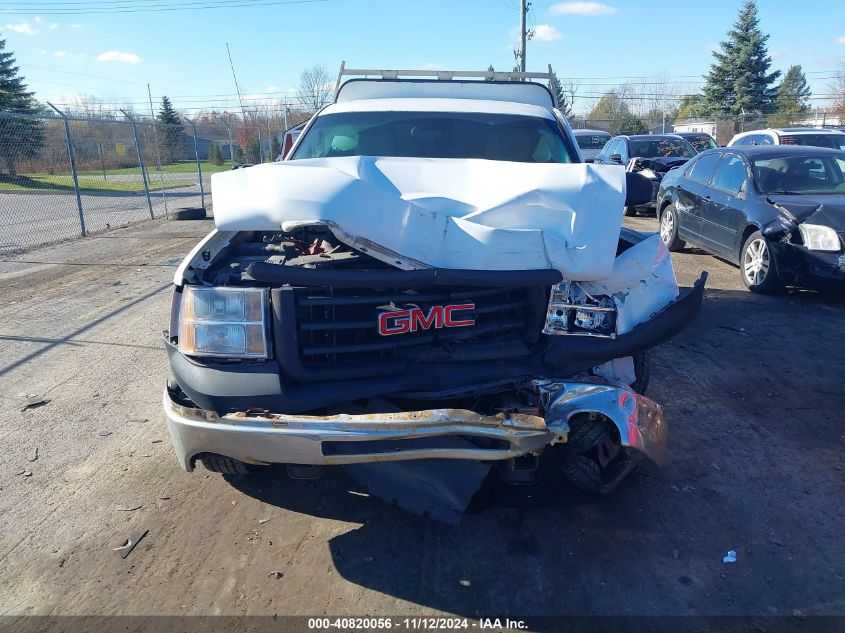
(669, 229)
(225, 465)
(630, 212)
(757, 265)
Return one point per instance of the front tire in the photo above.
(630, 212)
(669, 229)
(757, 265)
(225, 465)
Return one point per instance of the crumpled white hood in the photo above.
(441, 213)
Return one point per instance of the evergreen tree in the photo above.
(215, 156)
(739, 80)
(20, 137)
(557, 90)
(172, 134)
(793, 94)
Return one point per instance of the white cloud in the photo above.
(272, 89)
(38, 19)
(546, 33)
(53, 26)
(59, 53)
(24, 28)
(117, 56)
(582, 8)
(75, 25)
(841, 40)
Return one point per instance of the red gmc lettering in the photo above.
(414, 319)
(451, 321)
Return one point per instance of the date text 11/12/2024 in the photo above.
(414, 624)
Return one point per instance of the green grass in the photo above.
(87, 184)
(185, 167)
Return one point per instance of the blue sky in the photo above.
(182, 53)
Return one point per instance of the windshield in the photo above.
(661, 147)
(833, 141)
(523, 139)
(800, 174)
(591, 141)
(701, 142)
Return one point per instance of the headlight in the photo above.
(819, 238)
(573, 311)
(229, 322)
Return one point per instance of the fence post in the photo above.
(199, 166)
(69, 139)
(140, 162)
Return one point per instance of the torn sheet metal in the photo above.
(442, 213)
(641, 284)
(440, 488)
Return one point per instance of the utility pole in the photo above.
(523, 13)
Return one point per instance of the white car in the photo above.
(813, 136)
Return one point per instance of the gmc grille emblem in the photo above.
(414, 319)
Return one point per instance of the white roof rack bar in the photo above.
(442, 75)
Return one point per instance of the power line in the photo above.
(203, 4)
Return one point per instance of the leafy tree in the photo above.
(172, 135)
(490, 69)
(739, 79)
(793, 97)
(691, 106)
(20, 137)
(612, 113)
(564, 104)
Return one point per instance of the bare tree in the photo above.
(837, 89)
(315, 90)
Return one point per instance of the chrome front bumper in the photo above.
(266, 438)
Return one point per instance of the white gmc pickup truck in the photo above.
(431, 273)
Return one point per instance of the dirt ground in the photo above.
(753, 396)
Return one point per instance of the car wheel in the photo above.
(225, 465)
(630, 212)
(757, 265)
(592, 458)
(669, 229)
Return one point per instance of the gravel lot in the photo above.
(753, 395)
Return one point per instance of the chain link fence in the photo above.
(64, 177)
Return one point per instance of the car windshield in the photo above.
(701, 142)
(592, 141)
(661, 147)
(517, 138)
(806, 174)
(833, 141)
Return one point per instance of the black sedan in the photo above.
(651, 155)
(777, 211)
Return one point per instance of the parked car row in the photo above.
(773, 201)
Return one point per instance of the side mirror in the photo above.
(616, 158)
(637, 189)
